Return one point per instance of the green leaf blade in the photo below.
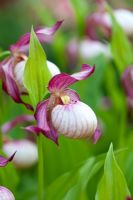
(113, 185)
(120, 46)
(36, 74)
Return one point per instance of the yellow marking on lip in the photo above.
(65, 99)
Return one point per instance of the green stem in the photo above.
(123, 127)
(40, 168)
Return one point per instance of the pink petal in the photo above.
(62, 81)
(74, 97)
(44, 125)
(96, 135)
(19, 119)
(41, 116)
(4, 161)
(9, 84)
(42, 34)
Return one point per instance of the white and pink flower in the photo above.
(26, 155)
(6, 194)
(12, 68)
(63, 112)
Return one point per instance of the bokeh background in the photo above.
(103, 92)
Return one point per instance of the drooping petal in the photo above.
(9, 84)
(96, 135)
(19, 119)
(41, 116)
(44, 125)
(42, 34)
(4, 161)
(61, 81)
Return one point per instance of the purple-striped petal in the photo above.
(42, 34)
(74, 97)
(19, 119)
(127, 81)
(96, 135)
(44, 125)
(4, 161)
(62, 81)
(9, 84)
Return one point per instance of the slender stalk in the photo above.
(122, 134)
(40, 168)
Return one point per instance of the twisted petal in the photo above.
(44, 125)
(4, 161)
(42, 34)
(62, 81)
(9, 84)
(19, 119)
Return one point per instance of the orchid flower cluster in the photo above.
(62, 112)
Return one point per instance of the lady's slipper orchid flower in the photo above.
(19, 73)
(4, 161)
(63, 112)
(102, 20)
(26, 152)
(6, 194)
(124, 18)
(96, 47)
(12, 68)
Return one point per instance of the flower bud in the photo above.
(75, 120)
(26, 152)
(90, 48)
(19, 73)
(6, 194)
